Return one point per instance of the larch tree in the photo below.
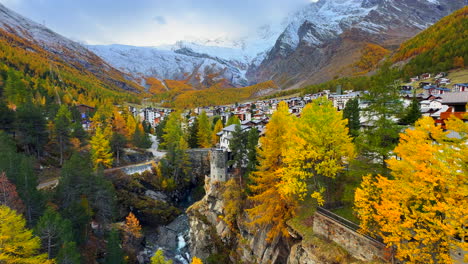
(196, 260)
(320, 149)
(217, 128)
(132, 229)
(8, 195)
(17, 243)
(118, 124)
(270, 208)
(233, 120)
(159, 258)
(101, 152)
(422, 209)
(204, 131)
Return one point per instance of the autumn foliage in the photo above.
(371, 54)
(9, 196)
(17, 243)
(422, 209)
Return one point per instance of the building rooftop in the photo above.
(455, 98)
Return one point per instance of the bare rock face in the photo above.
(208, 232)
(328, 35)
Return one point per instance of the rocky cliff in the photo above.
(214, 241)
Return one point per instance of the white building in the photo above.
(226, 136)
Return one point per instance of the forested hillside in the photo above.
(441, 47)
(28, 71)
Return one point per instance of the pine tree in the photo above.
(351, 112)
(193, 135)
(54, 231)
(204, 131)
(62, 123)
(384, 106)
(8, 195)
(140, 138)
(31, 128)
(100, 148)
(251, 147)
(17, 243)
(69, 254)
(115, 254)
(159, 258)
(7, 118)
(217, 128)
(237, 145)
(118, 142)
(413, 113)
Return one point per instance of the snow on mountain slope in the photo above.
(171, 63)
(326, 36)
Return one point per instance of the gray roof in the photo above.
(231, 128)
(455, 98)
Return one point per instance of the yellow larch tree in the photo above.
(272, 209)
(101, 153)
(321, 148)
(196, 260)
(17, 243)
(422, 209)
(217, 128)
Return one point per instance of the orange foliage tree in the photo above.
(422, 209)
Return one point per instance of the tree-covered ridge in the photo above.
(214, 96)
(441, 47)
(27, 69)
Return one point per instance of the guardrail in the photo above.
(346, 223)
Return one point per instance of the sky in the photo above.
(153, 22)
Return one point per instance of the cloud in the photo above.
(160, 20)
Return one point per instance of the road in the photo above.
(52, 183)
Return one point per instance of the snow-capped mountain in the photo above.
(328, 35)
(73, 53)
(177, 62)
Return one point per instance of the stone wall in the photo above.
(218, 165)
(358, 245)
(200, 164)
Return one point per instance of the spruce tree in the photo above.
(193, 135)
(351, 112)
(413, 113)
(62, 123)
(115, 254)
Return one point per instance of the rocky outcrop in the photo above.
(210, 235)
(321, 241)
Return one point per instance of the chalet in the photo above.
(414, 79)
(441, 75)
(457, 101)
(226, 136)
(425, 76)
(435, 90)
(85, 110)
(340, 100)
(460, 87)
(406, 88)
